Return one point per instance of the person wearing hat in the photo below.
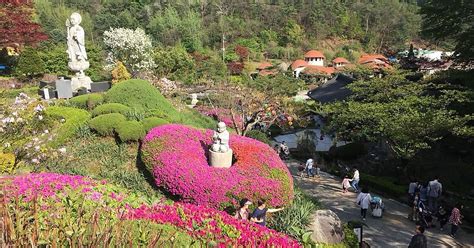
(243, 212)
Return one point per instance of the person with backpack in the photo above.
(363, 200)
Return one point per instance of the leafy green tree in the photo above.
(294, 33)
(29, 64)
(175, 63)
(408, 115)
(171, 27)
(450, 20)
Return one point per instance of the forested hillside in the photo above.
(274, 28)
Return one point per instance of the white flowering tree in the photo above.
(132, 47)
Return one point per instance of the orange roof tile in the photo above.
(264, 65)
(298, 63)
(372, 57)
(340, 60)
(314, 54)
(265, 72)
(315, 69)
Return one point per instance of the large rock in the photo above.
(327, 227)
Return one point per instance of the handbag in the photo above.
(360, 201)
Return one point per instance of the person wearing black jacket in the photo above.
(418, 240)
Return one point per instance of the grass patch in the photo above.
(102, 158)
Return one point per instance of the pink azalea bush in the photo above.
(220, 114)
(200, 222)
(176, 155)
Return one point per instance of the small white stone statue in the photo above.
(194, 99)
(76, 51)
(220, 138)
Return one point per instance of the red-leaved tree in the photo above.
(242, 52)
(16, 24)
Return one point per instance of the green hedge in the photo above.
(140, 95)
(88, 101)
(151, 122)
(74, 118)
(130, 131)
(106, 124)
(110, 108)
(383, 184)
(258, 135)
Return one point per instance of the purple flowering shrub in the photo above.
(177, 158)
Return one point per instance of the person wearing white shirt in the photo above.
(363, 200)
(435, 189)
(355, 180)
(309, 167)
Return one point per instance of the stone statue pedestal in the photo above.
(78, 82)
(220, 159)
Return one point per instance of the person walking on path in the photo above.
(243, 212)
(424, 192)
(346, 184)
(419, 239)
(435, 188)
(259, 214)
(355, 180)
(309, 167)
(412, 188)
(455, 219)
(363, 200)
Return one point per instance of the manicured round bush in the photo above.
(151, 122)
(106, 124)
(138, 94)
(130, 131)
(176, 156)
(110, 108)
(73, 117)
(94, 100)
(87, 101)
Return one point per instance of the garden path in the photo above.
(393, 230)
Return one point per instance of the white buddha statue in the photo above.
(221, 139)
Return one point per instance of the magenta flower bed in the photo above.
(198, 221)
(176, 155)
(214, 225)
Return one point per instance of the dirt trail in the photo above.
(393, 230)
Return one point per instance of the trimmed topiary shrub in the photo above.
(176, 156)
(110, 108)
(73, 119)
(260, 136)
(130, 131)
(138, 94)
(88, 101)
(106, 124)
(151, 122)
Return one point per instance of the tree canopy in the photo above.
(452, 21)
(408, 115)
